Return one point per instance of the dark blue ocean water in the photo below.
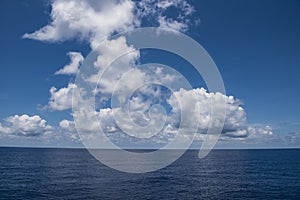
(28, 173)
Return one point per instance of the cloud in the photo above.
(61, 99)
(259, 129)
(142, 120)
(94, 20)
(197, 104)
(109, 60)
(26, 130)
(171, 24)
(292, 138)
(25, 125)
(157, 13)
(72, 68)
(89, 20)
(67, 125)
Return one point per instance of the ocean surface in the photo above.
(38, 173)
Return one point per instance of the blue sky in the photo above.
(255, 45)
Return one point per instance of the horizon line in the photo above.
(155, 149)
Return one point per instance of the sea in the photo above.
(50, 173)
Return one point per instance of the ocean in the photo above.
(43, 173)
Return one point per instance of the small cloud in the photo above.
(61, 99)
(171, 24)
(75, 61)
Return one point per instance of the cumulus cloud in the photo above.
(142, 122)
(25, 125)
(109, 54)
(32, 130)
(259, 129)
(61, 99)
(94, 20)
(67, 125)
(75, 61)
(197, 104)
(90, 20)
(106, 122)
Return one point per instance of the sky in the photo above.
(255, 45)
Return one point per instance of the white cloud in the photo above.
(171, 24)
(67, 125)
(158, 11)
(238, 133)
(235, 129)
(255, 131)
(26, 130)
(197, 105)
(185, 8)
(106, 122)
(109, 52)
(4, 129)
(91, 20)
(25, 125)
(61, 99)
(71, 68)
(94, 20)
(165, 4)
